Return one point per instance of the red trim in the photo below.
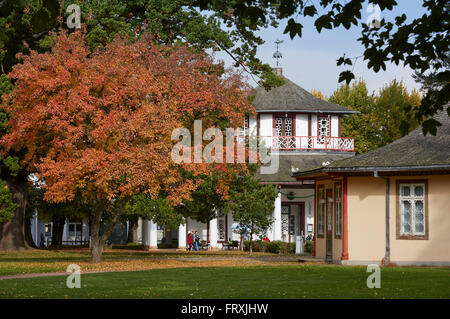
(257, 125)
(339, 126)
(344, 221)
(329, 119)
(309, 124)
(315, 218)
(294, 118)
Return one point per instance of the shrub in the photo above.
(259, 246)
(275, 247)
(308, 247)
(290, 248)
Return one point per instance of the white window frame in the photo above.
(412, 199)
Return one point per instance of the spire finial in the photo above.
(277, 54)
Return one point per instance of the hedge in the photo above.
(277, 247)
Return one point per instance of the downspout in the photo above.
(387, 255)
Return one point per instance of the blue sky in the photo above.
(310, 61)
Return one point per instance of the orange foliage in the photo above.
(101, 123)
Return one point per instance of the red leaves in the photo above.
(100, 123)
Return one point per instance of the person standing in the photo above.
(42, 243)
(196, 240)
(189, 241)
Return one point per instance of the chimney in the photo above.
(278, 71)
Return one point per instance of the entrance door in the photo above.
(302, 220)
(285, 212)
(329, 225)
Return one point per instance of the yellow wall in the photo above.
(366, 218)
(366, 221)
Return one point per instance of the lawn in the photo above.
(288, 281)
(46, 260)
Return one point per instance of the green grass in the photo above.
(240, 282)
(50, 260)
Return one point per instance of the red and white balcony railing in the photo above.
(309, 143)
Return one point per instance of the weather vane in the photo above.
(277, 54)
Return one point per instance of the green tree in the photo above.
(7, 206)
(252, 206)
(379, 121)
(159, 210)
(57, 213)
(393, 111)
(361, 126)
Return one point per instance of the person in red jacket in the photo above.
(266, 239)
(189, 241)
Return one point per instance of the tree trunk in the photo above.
(132, 230)
(98, 241)
(96, 245)
(96, 251)
(251, 244)
(12, 233)
(58, 229)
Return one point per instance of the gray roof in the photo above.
(413, 151)
(291, 97)
(301, 162)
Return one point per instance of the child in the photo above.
(189, 241)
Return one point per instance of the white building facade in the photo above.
(305, 132)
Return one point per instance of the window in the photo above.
(412, 216)
(48, 229)
(74, 229)
(338, 210)
(323, 127)
(244, 131)
(320, 211)
(284, 133)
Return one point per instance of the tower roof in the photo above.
(291, 97)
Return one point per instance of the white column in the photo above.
(153, 235)
(277, 218)
(213, 233)
(145, 233)
(182, 237)
(230, 227)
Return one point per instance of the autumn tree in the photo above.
(99, 125)
(319, 94)
(25, 25)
